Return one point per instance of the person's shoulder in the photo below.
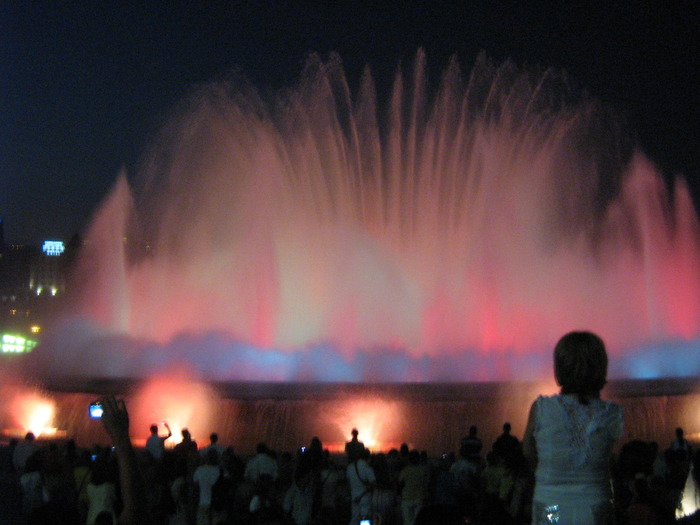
(543, 400)
(612, 407)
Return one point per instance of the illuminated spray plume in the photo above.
(380, 422)
(175, 397)
(451, 230)
(26, 409)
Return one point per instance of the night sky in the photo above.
(84, 86)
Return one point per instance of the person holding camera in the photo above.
(155, 444)
(115, 420)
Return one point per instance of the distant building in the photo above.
(47, 270)
(15, 269)
(32, 280)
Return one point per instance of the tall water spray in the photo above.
(451, 232)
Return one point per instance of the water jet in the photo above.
(450, 231)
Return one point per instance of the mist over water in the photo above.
(451, 232)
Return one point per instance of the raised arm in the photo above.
(115, 419)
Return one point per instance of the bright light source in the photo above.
(178, 398)
(376, 419)
(32, 411)
(16, 344)
(53, 248)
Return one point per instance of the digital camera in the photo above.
(95, 410)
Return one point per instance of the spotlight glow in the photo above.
(176, 397)
(31, 411)
(377, 421)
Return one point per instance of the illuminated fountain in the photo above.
(450, 233)
(26, 409)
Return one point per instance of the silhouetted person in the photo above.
(314, 453)
(385, 502)
(213, 445)
(413, 484)
(155, 444)
(299, 499)
(681, 444)
(403, 454)
(101, 491)
(354, 448)
(204, 477)
(234, 465)
(472, 445)
(23, 451)
(332, 480)
(262, 464)
(361, 479)
(187, 446)
(466, 472)
(506, 444)
(678, 459)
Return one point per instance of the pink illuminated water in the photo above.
(451, 233)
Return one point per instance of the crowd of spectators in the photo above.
(186, 484)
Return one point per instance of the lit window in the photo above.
(15, 344)
(53, 248)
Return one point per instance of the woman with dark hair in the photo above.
(570, 437)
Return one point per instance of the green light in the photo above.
(16, 344)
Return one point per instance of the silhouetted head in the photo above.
(186, 436)
(214, 437)
(354, 433)
(29, 436)
(581, 364)
(506, 428)
(679, 433)
(154, 429)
